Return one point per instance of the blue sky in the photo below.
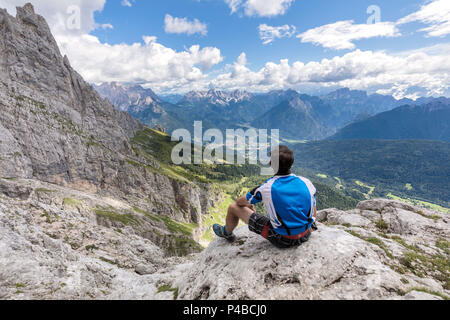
(237, 33)
(175, 46)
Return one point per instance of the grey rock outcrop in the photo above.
(350, 258)
(130, 98)
(53, 245)
(54, 127)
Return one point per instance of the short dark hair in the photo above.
(286, 160)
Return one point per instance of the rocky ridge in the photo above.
(53, 247)
(129, 98)
(216, 97)
(55, 128)
(88, 212)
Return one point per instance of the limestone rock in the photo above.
(55, 128)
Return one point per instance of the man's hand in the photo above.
(242, 202)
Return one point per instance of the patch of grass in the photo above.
(91, 142)
(438, 266)
(133, 163)
(363, 185)
(382, 225)
(91, 247)
(179, 227)
(403, 243)
(168, 288)
(444, 245)
(20, 285)
(420, 203)
(425, 290)
(172, 225)
(182, 246)
(109, 261)
(48, 219)
(433, 217)
(44, 190)
(348, 225)
(355, 234)
(217, 215)
(72, 203)
(380, 244)
(126, 218)
(374, 241)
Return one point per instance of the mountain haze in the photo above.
(298, 116)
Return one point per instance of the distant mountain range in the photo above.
(429, 122)
(298, 116)
(294, 118)
(216, 97)
(128, 98)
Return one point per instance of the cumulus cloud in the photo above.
(148, 62)
(268, 33)
(436, 14)
(151, 63)
(183, 25)
(63, 16)
(127, 3)
(340, 35)
(410, 73)
(260, 8)
(428, 69)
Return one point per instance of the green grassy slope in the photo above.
(231, 181)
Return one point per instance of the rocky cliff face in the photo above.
(216, 97)
(52, 247)
(55, 128)
(130, 98)
(381, 250)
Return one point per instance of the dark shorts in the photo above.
(261, 225)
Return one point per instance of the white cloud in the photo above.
(261, 8)
(424, 71)
(234, 5)
(63, 16)
(183, 25)
(127, 3)
(151, 63)
(268, 33)
(436, 14)
(340, 35)
(427, 70)
(105, 26)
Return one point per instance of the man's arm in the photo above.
(243, 202)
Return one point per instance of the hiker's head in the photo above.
(285, 160)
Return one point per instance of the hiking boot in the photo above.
(221, 232)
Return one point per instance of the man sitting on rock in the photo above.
(290, 204)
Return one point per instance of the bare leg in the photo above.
(235, 213)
